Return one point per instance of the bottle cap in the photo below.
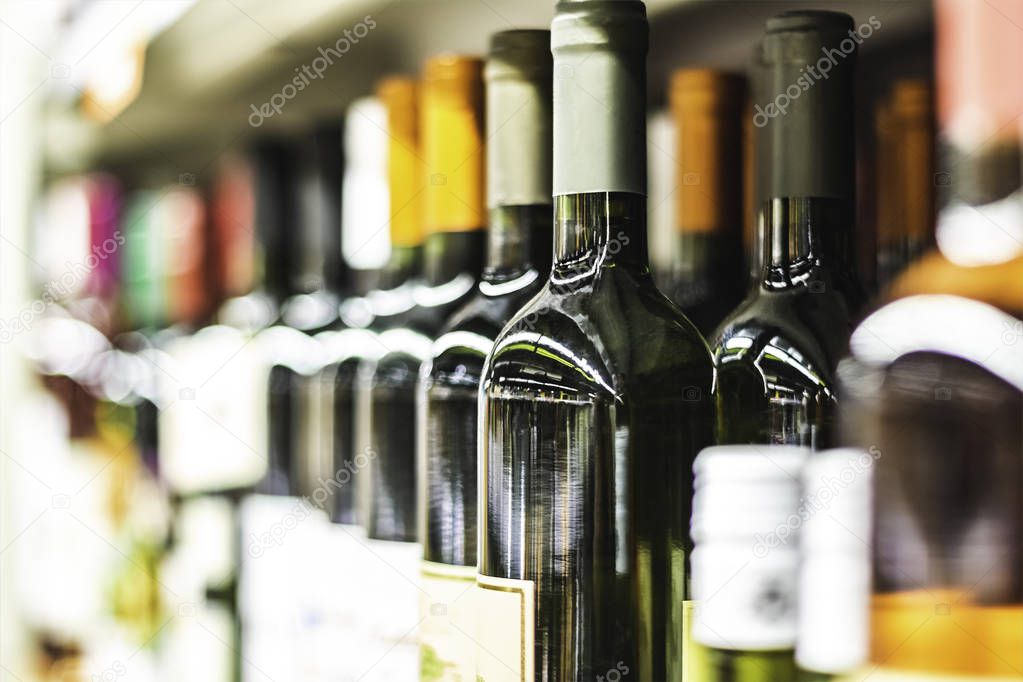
(707, 107)
(364, 201)
(599, 51)
(399, 95)
(518, 78)
(451, 131)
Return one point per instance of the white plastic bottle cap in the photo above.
(746, 521)
(834, 584)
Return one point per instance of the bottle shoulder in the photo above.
(469, 335)
(615, 334)
(805, 332)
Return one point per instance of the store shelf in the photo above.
(205, 72)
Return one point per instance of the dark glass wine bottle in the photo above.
(905, 178)
(518, 76)
(454, 217)
(382, 184)
(776, 354)
(934, 385)
(595, 400)
(707, 278)
(278, 524)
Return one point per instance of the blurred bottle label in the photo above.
(213, 428)
(446, 648)
(281, 602)
(390, 612)
(505, 636)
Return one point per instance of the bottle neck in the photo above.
(801, 237)
(518, 238)
(707, 257)
(598, 230)
(404, 265)
(450, 254)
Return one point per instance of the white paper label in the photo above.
(281, 587)
(347, 562)
(213, 423)
(504, 639)
(446, 611)
(390, 613)
(745, 600)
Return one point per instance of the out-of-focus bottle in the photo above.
(935, 384)
(905, 177)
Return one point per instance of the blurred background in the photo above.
(130, 213)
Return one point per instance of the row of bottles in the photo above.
(501, 452)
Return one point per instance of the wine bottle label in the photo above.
(213, 425)
(446, 646)
(693, 653)
(745, 599)
(194, 644)
(504, 638)
(280, 599)
(390, 611)
(345, 558)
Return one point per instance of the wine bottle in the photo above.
(834, 566)
(746, 533)
(776, 353)
(934, 384)
(518, 76)
(452, 154)
(594, 401)
(708, 276)
(278, 525)
(383, 181)
(905, 178)
(210, 440)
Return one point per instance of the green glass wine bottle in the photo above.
(452, 151)
(594, 401)
(776, 354)
(518, 76)
(707, 277)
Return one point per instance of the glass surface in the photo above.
(595, 401)
(707, 279)
(777, 353)
(450, 387)
(453, 262)
(751, 666)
